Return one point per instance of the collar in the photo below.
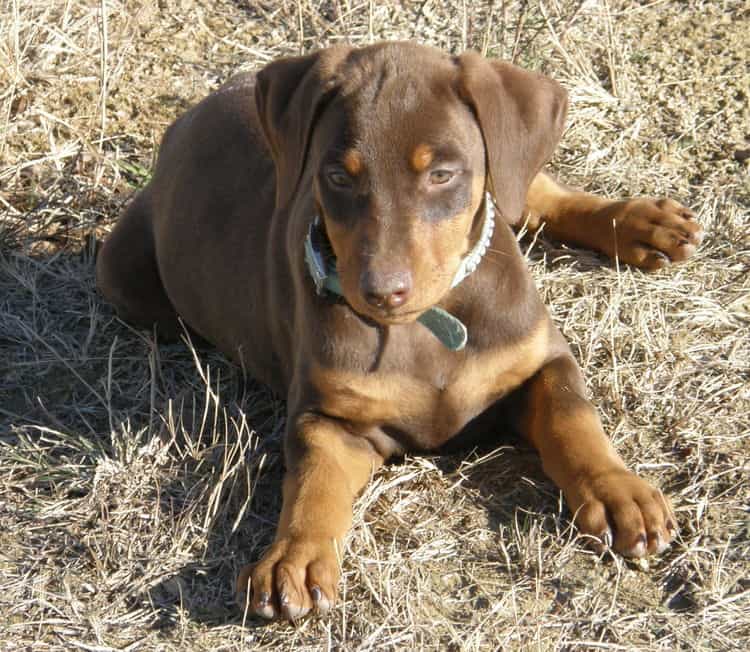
(321, 263)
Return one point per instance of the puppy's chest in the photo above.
(424, 401)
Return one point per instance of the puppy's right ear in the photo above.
(290, 95)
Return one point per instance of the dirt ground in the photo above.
(137, 477)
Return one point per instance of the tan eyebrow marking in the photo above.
(421, 157)
(353, 162)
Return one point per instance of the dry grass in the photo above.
(136, 477)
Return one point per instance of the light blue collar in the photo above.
(321, 264)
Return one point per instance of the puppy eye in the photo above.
(439, 177)
(339, 178)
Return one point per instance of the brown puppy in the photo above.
(310, 221)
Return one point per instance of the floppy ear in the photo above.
(521, 115)
(290, 95)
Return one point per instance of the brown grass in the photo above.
(136, 477)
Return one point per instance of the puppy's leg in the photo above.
(648, 233)
(608, 501)
(127, 274)
(327, 467)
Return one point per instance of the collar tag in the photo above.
(447, 328)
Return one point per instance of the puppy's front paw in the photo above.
(652, 233)
(293, 576)
(623, 511)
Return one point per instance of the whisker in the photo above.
(497, 251)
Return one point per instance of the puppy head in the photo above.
(400, 142)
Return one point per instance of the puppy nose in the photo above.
(389, 290)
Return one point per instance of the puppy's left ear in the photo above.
(521, 115)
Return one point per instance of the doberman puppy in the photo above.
(340, 225)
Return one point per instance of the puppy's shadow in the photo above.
(505, 475)
(232, 488)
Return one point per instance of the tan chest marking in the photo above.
(402, 400)
(489, 375)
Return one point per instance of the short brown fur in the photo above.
(220, 233)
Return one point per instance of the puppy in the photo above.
(340, 225)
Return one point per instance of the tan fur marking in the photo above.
(373, 398)
(563, 211)
(353, 162)
(644, 232)
(401, 400)
(563, 426)
(421, 157)
(318, 492)
(327, 478)
(493, 373)
(436, 249)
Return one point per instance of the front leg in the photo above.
(327, 467)
(648, 233)
(608, 501)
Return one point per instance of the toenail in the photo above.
(323, 604)
(639, 549)
(316, 593)
(263, 608)
(293, 612)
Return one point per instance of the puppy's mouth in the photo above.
(393, 317)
